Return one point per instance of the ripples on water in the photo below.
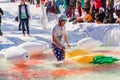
(41, 67)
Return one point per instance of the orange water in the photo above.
(41, 67)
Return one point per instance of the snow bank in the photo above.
(106, 33)
(112, 37)
(88, 43)
(5, 43)
(15, 54)
(34, 48)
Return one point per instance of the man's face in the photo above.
(22, 2)
(62, 22)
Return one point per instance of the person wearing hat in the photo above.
(58, 38)
(100, 16)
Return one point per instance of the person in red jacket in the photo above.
(97, 4)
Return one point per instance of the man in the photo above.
(117, 11)
(24, 16)
(58, 36)
(1, 13)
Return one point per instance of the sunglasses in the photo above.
(64, 20)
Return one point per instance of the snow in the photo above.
(42, 67)
(13, 55)
(34, 48)
(88, 43)
(13, 37)
(4, 0)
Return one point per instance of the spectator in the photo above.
(92, 10)
(81, 18)
(100, 16)
(109, 15)
(55, 9)
(97, 4)
(73, 7)
(78, 5)
(24, 16)
(1, 13)
(117, 11)
(48, 6)
(87, 5)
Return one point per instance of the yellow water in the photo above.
(43, 67)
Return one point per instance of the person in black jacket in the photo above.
(100, 16)
(1, 13)
(109, 18)
(24, 16)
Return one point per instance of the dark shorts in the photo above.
(59, 53)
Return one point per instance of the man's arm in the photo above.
(28, 9)
(66, 39)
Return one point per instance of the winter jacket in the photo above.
(26, 11)
(98, 4)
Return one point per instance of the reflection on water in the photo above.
(41, 67)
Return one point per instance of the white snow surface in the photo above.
(108, 34)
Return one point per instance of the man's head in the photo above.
(22, 2)
(62, 20)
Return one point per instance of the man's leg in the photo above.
(20, 26)
(0, 30)
(27, 26)
(23, 26)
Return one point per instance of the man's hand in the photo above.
(62, 47)
(68, 45)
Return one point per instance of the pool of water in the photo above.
(43, 67)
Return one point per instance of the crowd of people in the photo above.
(90, 7)
(99, 11)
